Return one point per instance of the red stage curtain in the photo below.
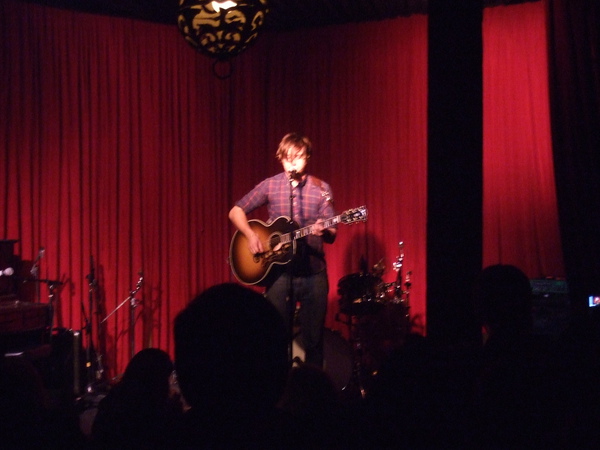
(121, 146)
(519, 209)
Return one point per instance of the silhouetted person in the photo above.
(231, 362)
(503, 300)
(138, 412)
(26, 419)
(412, 402)
(579, 366)
(518, 392)
(311, 398)
(22, 404)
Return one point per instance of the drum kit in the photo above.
(377, 316)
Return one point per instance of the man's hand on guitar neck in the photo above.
(318, 228)
(327, 233)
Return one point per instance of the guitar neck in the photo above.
(305, 231)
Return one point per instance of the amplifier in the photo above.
(551, 306)
(549, 286)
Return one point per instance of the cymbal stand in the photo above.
(402, 295)
(356, 342)
(407, 285)
(397, 265)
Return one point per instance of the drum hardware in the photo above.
(377, 315)
(358, 294)
(402, 295)
(379, 268)
(397, 265)
(359, 298)
(359, 373)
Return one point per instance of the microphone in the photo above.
(35, 266)
(40, 254)
(7, 272)
(138, 285)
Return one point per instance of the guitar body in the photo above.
(253, 269)
(279, 242)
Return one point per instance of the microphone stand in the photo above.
(91, 277)
(291, 302)
(35, 273)
(133, 303)
(52, 286)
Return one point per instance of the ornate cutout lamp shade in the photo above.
(221, 29)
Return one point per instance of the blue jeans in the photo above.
(311, 292)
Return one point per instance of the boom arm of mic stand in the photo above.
(127, 300)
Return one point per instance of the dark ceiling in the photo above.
(283, 14)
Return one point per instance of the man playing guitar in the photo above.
(302, 276)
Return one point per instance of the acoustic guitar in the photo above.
(279, 241)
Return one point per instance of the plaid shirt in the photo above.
(312, 200)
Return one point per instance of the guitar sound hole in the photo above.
(275, 242)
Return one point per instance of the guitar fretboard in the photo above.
(350, 216)
(300, 233)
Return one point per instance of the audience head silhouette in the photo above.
(138, 411)
(503, 299)
(231, 351)
(149, 370)
(21, 404)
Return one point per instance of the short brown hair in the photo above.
(293, 140)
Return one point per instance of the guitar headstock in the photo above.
(354, 215)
